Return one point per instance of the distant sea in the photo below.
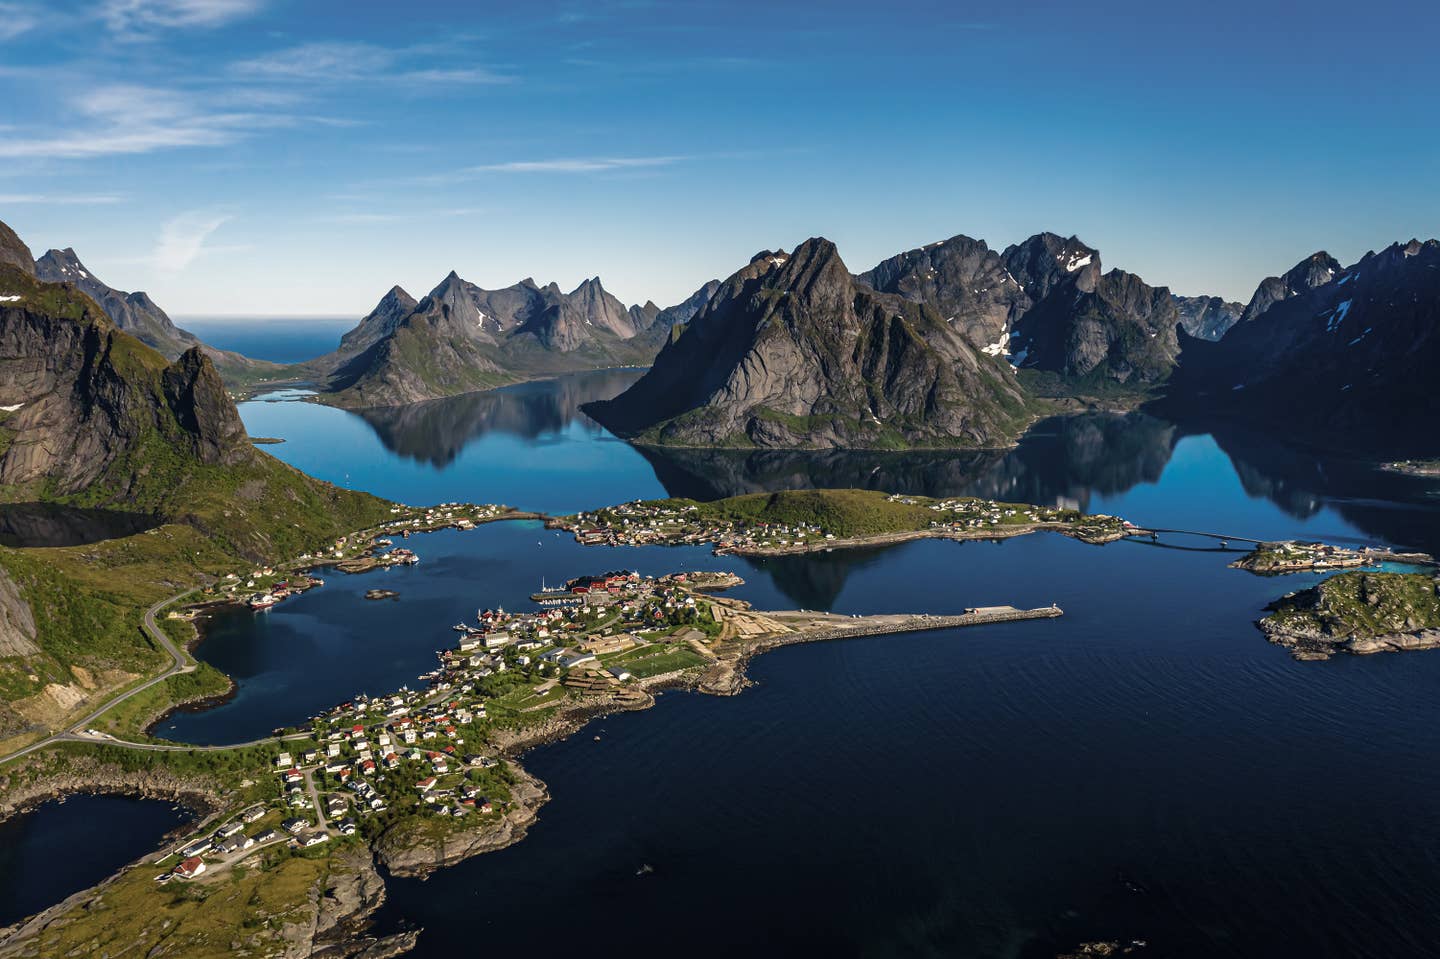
(276, 338)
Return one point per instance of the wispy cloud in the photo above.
(137, 17)
(182, 239)
(345, 62)
(17, 19)
(574, 165)
(49, 199)
(129, 119)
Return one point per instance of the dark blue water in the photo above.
(59, 849)
(1145, 767)
(278, 339)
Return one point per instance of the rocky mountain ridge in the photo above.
(1351, 359)
(792, 350)
(462, 337)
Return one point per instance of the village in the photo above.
(678, 522)
(264, 586)
(1293, 557)
(366, 764)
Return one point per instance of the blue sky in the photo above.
(300, 156)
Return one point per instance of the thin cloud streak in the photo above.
(130, 119)
(131, 18)
(349, 62)
(182, 239)
(79, 199)
(575, 165)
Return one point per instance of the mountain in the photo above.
(462, 338)
(1207, 317)
(380, 322)
(138, 315)
(1045, 304)
(14, 251)
(1317, 269)
(91, 416)
(1350, 360)
(793, 351)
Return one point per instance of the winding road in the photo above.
(179, 663)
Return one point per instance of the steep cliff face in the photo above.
(14, 251)
(1045, 304)
(1349, 362)
(87, 403)
(792, 351)
(964, 280)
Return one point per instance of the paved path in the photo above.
(179, 663)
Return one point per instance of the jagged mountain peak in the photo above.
(792, 350)
(1315, 270)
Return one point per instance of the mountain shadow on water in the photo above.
(1060, 460)
(437, 431)
(27, 525)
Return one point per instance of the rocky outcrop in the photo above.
(89, 399)
(403, 852)
(792, 351)
(17, 622)
(14, 251)
(1360, 613)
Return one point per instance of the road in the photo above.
(179, 663)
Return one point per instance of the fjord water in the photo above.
(1146, 766)
(60, 848)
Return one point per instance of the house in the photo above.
(228, 830)
(252, 814)
(426, 784)
(484, 805)
(347, 827)
(293, 775)
(190, 868)
(197, 848)
(228, 846)
(295, 826)
(283, 761)
(314, 839)
(620, 673)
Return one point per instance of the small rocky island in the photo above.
(1357, 612)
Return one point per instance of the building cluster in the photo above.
(422, 749)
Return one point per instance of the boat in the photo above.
(262, 601)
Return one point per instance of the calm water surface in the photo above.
(1147, 766)
(61, 848)
(277, 339)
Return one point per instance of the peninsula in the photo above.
(414, 780)
(800, 521)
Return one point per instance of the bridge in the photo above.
(1155, 531)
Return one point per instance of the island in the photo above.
(801, 521)
(1414, 467)
(1357, 612)
(1291, 556)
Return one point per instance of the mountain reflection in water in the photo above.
(437, 431)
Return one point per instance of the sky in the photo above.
(297, 157)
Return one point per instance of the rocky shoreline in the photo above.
(892, 539)
(1314, 645)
